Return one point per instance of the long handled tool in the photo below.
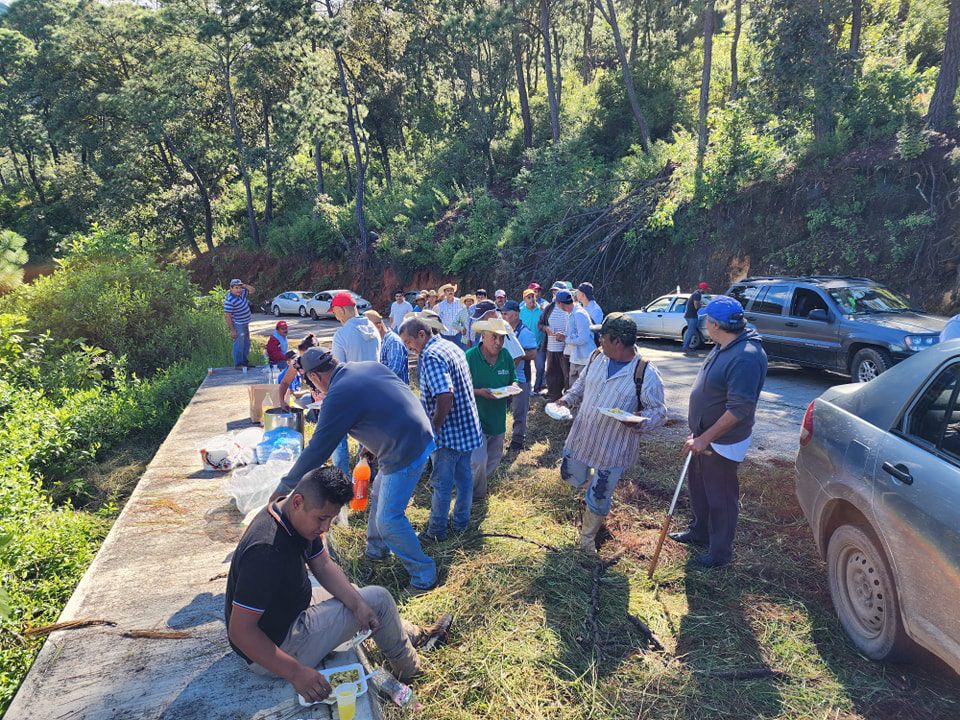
(666, 521)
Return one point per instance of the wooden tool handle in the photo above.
(656, 553)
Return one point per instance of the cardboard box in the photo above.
(260, 394)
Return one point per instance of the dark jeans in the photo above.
(541, 365)
(558, 373)
(715, 501)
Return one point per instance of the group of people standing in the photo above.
(589, 363)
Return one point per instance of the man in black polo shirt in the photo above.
(271, 622)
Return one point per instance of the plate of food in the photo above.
(506, 391)
(353, 673)
(622, 415)
(558, 412)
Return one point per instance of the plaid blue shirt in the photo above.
(442, 369)
(393, 354)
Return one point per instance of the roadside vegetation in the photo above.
(756, 640)
(96, 362)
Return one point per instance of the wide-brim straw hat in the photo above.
(430, 319)
(443, 288)
(494, 325)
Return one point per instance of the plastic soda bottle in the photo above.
(361, 485)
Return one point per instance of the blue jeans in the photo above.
(689, 333)
(599, 495)
(541, 366)
(341, 456)
(451, 469)
(241, 346)
(388, 528)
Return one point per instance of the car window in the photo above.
(659, 305)
(679, 306)
(805, 300)
(868, 299)
(772, 300)
(934, 420)
(743, 293)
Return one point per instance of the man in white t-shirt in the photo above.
(398, 310)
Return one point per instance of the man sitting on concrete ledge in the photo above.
(282, 627)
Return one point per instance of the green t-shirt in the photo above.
(493, 413)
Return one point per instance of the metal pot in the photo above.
(278, 417)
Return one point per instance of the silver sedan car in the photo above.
(664, 318)
(878, 478)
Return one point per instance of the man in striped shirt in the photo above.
(600, 448)
(236, 311)
(393, 353)
(554, 324)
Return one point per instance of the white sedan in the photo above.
(319, 305)
(664, 318)
(290, 303)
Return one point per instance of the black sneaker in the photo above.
(688, 538)
(709, 561)
(426, 538)
(516, 446)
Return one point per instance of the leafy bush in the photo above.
(474, 243)
(12, 259)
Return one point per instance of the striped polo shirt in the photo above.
(238, 307)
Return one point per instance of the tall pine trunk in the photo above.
(611, 17)
(634, 30)
(32, 171)
(552, 95)
(318, 166)
(586, 63)
(521, 86)
(241, 153)
(704, 132)
(201, 190)
(268, 200)
(360, 185)
(734, 44)
(941, 104)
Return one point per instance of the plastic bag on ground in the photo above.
(251, 487)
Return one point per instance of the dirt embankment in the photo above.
(868, 213)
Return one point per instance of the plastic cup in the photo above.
(346, 700)
(244, 369)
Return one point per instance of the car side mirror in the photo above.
(820, 315)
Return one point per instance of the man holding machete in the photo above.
(723, 403)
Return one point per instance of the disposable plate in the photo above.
(328, 672)
(506, 391)
(618, 414)
(558, 412)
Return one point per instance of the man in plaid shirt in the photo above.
(446, 391)
(393, 353)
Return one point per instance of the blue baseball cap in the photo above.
(511, 305)
(723, 308)
(564, 297)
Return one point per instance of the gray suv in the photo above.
(850, 325)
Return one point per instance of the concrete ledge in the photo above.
(163, 567)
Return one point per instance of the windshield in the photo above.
(872, 299)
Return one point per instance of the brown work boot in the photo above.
(432, 635)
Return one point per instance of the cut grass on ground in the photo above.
(522, 645)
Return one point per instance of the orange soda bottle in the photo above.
(361, 485)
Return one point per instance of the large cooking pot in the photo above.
(278, 417)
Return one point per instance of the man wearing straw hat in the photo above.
(451, 314)
(600, 448)
(491, 366)
(446, 392)
(723, 403)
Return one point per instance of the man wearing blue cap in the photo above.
(723, 403)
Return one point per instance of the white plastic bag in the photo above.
(251, 487)
(221, 453)
(248, 440)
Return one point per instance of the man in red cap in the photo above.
(694, 303)
(277, 346)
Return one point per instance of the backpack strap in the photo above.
(638, 374)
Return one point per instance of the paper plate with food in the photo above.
(622, 415)
(353, 673)
(558, 412)
(506, 391)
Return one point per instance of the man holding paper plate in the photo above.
(618, 395)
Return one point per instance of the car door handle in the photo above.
(898, 472)
(793, 324)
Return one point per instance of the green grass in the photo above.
(521, 644)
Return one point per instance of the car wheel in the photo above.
(313, 314)
(303, 311)
(868, 363)
(864, 593)
(276, 311)
(696, 342)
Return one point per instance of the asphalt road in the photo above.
(788, 391)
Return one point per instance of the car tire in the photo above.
(276, 311)
(864, 593)
(303, 311)
(868, 363)
(313, 314)
(696, 342)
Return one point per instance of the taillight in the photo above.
(806, 427)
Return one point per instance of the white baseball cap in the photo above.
(500, 293)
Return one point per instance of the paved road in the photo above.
(787, 392)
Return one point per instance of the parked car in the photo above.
(878, 478)
(850, 325)
(318, 306)
(290, 302)
(411, 296)
(664, 318)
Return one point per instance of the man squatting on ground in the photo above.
(370, 403)
(723, 403)
(281, 626)
(599, 448)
